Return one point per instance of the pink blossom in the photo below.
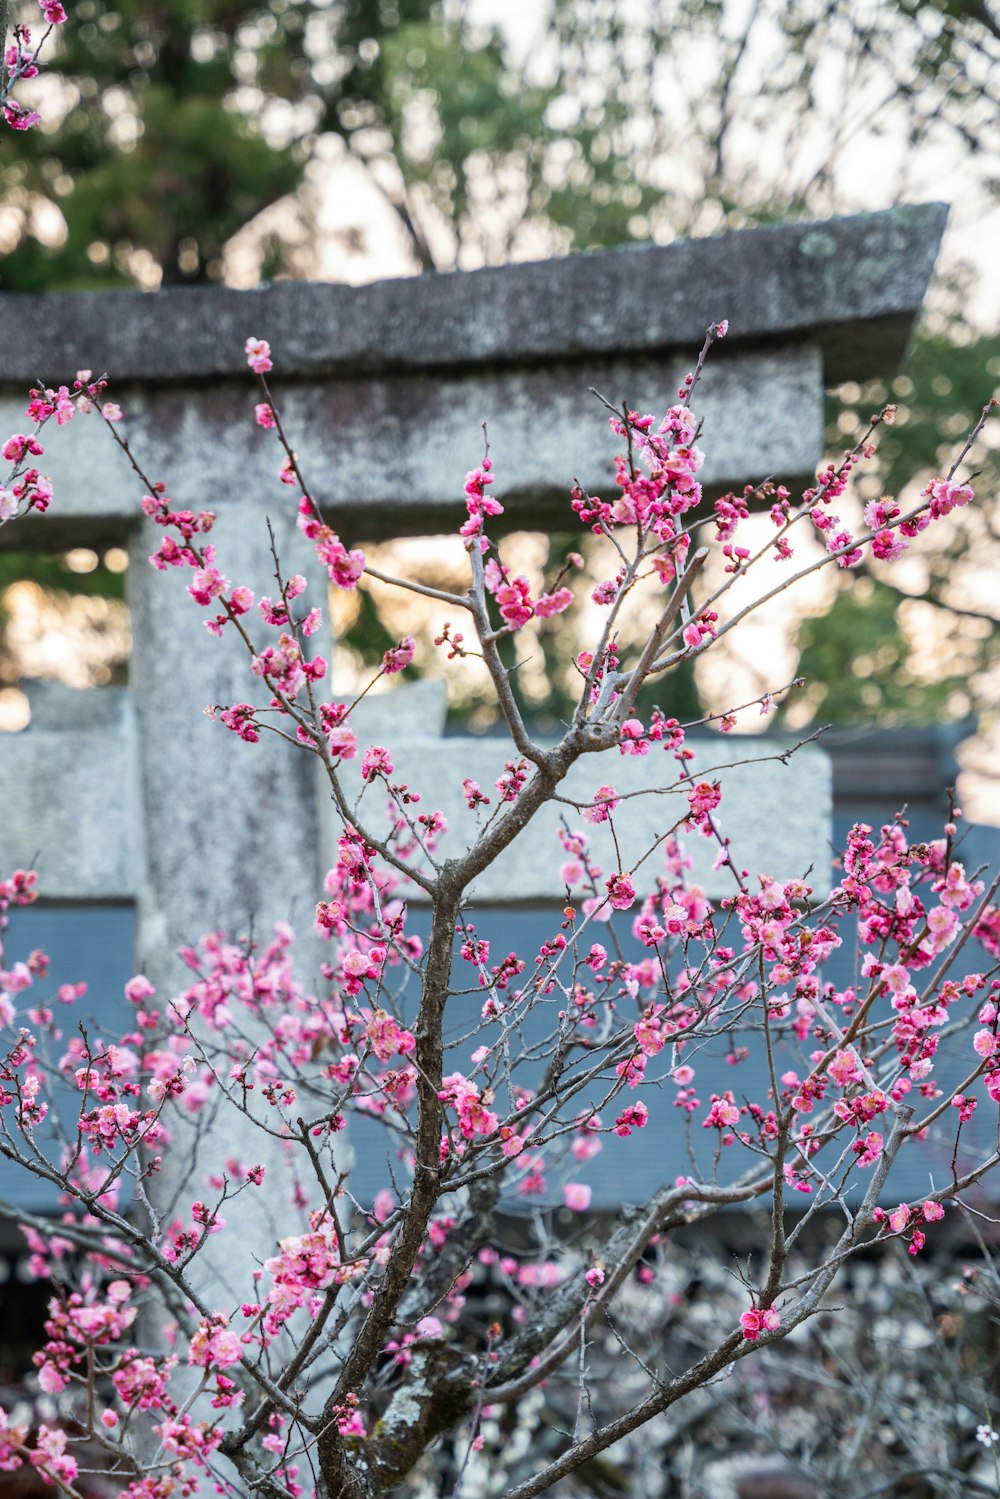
(473, 1115)
(605, 802)
(984, 1043)
(208, 584)
(284, 668)
(387, 1037)
(888, 545)
(50, 1457)
(633, 740)
(478, 502)
(343, 568)
(648, 1032)
(20, 446)
(357, 967)
(511, 783)
(139, 989)
(843, 543)
(514, 602)
(843, 1068)
(553, 603)
(634, 1116)
(869, 1148)
(723, 1113)
(899, 1218)
(16, 57)
(943, 925)
(298, 1048)
(19, 118)
(50, 1380)
(400, 656)
(343, 745)
(945, 496)
(376, 762)
(704, 797)
(764, 1320)
(258, 352)
(621, 891)
(216, 1343)
(585, 1147)
(239, 718)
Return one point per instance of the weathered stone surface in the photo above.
(230, 830)
(54, 706)
(70, 807)
(386, 387)
(757, 791)
(388, 456)
(219, 860)
(854, 283)
(231, 837)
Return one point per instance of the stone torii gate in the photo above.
(132, 796)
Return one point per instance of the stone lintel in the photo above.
(855, 284)
(72, 812)
(86, 843)
(388, 455)
(755, 790)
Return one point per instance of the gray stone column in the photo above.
(231, 830)
(231, 842)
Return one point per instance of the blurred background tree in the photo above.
(192, 140)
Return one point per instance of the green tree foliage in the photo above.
(881, 682)
(66, 593)
(155, 147)
(711, 116)
(169, 126)
(940, 664)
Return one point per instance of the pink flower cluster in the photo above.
(478, 503)
(906, 1221)
(513, 596)
(24, 488)
(760, 1321)
(20, 62)
(475, 1118)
